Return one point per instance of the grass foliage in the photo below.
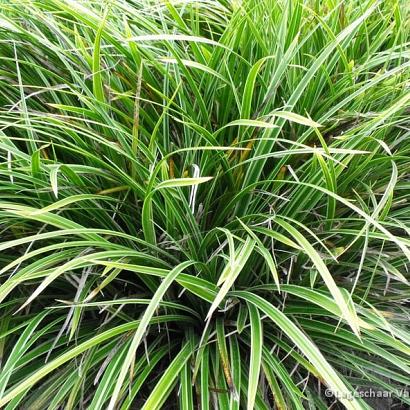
(203, 204)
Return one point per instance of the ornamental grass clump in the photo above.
(204, 204)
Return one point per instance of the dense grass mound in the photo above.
(204, 204)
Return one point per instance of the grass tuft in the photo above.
(204, 204)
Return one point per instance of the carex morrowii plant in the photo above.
(204, 204)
